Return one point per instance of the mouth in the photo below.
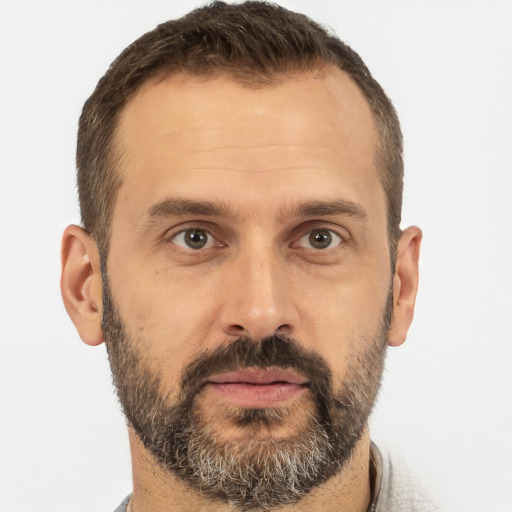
(257, 388)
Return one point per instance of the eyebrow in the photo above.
(178, 207)
(323, 208)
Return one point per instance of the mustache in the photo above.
(275, 351)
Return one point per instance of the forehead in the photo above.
(183, 131)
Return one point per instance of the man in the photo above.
(240, 183)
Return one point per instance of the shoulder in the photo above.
(124, 504)
(396, 489)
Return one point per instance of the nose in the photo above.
(257, 300)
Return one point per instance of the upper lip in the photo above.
(258, 376)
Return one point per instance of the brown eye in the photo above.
(194, 239)
(320, 239)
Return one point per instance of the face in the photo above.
(248, 281)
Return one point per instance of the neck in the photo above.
(154, 488)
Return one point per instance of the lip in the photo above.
(258, 376)
(257, 388)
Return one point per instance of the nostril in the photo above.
(236, 330)
(258, 330)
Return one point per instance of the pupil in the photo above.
(195, 239)
(320, 239)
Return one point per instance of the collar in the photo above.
(376, 466)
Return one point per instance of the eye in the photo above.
(194, 239)
(320, 239)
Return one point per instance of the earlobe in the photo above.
(405, 284)
(81, 285)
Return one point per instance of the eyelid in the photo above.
(187, 226)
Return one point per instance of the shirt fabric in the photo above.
(393, 489)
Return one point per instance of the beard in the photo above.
(260, 471)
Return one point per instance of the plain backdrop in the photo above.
(446, 403)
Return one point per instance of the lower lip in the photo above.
(257, 395)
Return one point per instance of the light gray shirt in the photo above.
(393, 489)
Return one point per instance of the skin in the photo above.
(261, 154)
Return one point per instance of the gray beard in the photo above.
(261, 473)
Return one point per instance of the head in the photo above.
(240, 180)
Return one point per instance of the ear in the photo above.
(405, 284)
(81, 285)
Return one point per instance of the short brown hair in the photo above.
(256, 43)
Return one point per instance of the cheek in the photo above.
(169, 318)
(347, 297)
(342, 316)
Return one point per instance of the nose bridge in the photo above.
(259, 304)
